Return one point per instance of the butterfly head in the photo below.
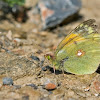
(50, 57)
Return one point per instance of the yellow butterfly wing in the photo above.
(78, 34)
(80, 50)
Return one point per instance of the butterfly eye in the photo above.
(48, 56)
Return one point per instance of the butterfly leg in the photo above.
(62, 65)
(54, 69)
(63, 72)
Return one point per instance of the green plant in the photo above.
(13, 2)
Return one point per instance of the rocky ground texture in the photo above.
(22, 50)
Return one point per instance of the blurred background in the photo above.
(39, 25)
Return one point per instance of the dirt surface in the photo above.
(23, 40)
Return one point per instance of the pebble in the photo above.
(96, 94)
(45, 68)
(43, 34)
(50, 86)
(35, 58)
(32, 85)
(7, 81)
(35, 30)
(17, 40)
(86, 89)
(9, 35)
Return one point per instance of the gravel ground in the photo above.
(25, 45)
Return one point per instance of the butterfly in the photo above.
(79, 52)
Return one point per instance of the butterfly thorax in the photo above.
(53, 61)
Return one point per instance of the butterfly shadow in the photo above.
(57, 72)
(98, 70)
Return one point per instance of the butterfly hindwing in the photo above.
(84, 57)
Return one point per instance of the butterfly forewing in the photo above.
(85, 28)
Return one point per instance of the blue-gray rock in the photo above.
(54, 12)
(7, 81)
(32, 85)
(34, 58)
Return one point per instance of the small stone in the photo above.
(96, 94)
(17, 40)
(43, 34)
(86, 89)
(50, 86)
(44, 68)
(7, 81)
(32, 85)
(48, 83)
(18, 25)
(9, 35)
(35, 30)
(35, 58)
(54, 12)
(42, 62)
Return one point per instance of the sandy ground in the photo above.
(25, 39)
